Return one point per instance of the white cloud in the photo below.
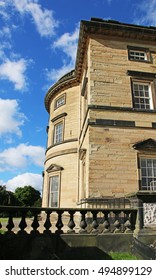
(21, 156)
(146, 13)
(43, 18)
(5, 32)
(25, 179)
(14, 71)
(3, 11)
(54, 75)
(10, 117)
(67, 43)
(2, 183)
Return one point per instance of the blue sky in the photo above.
(38, 41)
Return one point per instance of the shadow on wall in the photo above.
(45, 247)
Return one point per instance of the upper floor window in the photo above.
(58, 133)
(142, 95)
(59, 101)
(138, 54)
(143, 89)
(148, 173)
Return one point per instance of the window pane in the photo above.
(144, 184)
(54, 199)
(142, 106)
(149, 162)
(148, 174)
(143, 163)
(143, 172)
(54, 191)
(135, 87)
(58, 133)
(138, 55)
(60, 101)
(142, 96)
(54, 183)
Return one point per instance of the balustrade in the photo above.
(66, 220)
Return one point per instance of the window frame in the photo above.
(55, 142)
(142, 175)
(143, 78)
(51, 192)
(146, 51)
(150, 97)
(62, 96)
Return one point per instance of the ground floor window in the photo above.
(148, 173)
(54, 191)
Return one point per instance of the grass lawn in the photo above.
(122, 256)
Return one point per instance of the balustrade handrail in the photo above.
(55, 209)
(75, 220)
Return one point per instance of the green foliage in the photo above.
(7, 198)
(27, 195)
(122, 256)
(38, 203)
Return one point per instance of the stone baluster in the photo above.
(116, 224)
(106, 223)
(71, 223)
(35, 223)
(94, 223)
(59, 223)
(23, 224)
(83, 223)
(10, 224)
(127, 224)
(47, 223)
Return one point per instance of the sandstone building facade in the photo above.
(102, 125)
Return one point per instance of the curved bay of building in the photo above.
(61, 160)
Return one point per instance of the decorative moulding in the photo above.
(149, 144)
(54, 167)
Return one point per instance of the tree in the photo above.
(27, 196)
(7, 198)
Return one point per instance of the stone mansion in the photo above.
(102, 118)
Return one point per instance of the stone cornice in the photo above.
(64, 142)
(59, 117)
(61, 153)
(97, 27)
(67, 81)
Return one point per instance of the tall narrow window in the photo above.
(148, 174)
(58, 133)
(54, 191)
(142, 95)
